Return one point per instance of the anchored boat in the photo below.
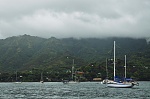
(117, 83)
(73, 81)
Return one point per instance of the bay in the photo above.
(83, 90)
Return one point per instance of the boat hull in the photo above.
(73, 82)
(17, 82)
(120, 85)
(41, 81)
(70, 82)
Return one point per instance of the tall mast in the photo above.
(106, 70)
(125, 67)
(72, 68)
(114, 61)
(42, 76)
(16, 75)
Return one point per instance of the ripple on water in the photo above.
(87, 90)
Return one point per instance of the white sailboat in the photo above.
(73, 80)
(118, 84)
(17, 81)
(41, 81)
(107, 81)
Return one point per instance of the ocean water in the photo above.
(83, 90)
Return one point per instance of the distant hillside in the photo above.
(23, 52)
(16, 51)
(27, 52)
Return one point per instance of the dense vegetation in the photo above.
(30, 56)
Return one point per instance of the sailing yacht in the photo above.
(41, 81)
(73, 80)
(17, 81)
(120, 84)
(107, 81)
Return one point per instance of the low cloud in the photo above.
(99, 18)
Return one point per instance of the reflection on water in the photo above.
(83, 90)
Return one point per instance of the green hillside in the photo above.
(31, 55)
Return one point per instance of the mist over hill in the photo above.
(26, 52)
(29, 51)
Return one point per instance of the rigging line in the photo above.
(111, 52)
(128, 53)
(120, 51)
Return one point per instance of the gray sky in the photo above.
(75, 18)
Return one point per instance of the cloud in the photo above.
(79, 19)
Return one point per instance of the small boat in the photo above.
(107, 81)
(17, 81)
(41, 81)
(73, 80)
(70, 82)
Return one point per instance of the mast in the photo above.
(42, 76)
(125, 67)
(114, 61)
(72, 68)
(106, 70)
(16, 75)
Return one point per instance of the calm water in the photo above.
(83, 90)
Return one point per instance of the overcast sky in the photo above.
(75, 18)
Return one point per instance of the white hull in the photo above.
(17, 82)
(70, 82)
(73, 82)
(120, 85)
(41, 81)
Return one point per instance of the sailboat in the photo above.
(17, 81)
(107, 81)
(120, 84)
(41, 81)
(73, 80)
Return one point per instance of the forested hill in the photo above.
(23, 52)
(27, 52)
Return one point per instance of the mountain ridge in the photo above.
(25, 52)
(26, 47)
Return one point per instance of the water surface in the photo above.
(83, 90)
